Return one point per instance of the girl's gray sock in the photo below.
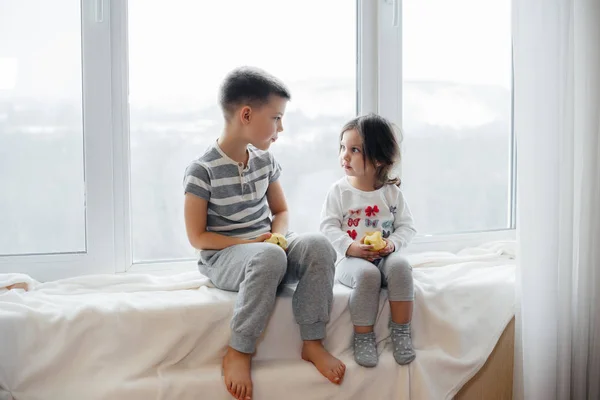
(402, 342)
(365, 349)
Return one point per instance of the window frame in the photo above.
(107, 156)
(390, 98)
(98, 167)
(379, 89)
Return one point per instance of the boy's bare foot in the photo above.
(329, 366)
(18, 286)
(236, 371)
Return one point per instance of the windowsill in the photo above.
(451, 243)
(456, 242)
(164, 268)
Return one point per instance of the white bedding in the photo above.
(146, 337)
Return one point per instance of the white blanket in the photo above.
(146, 337)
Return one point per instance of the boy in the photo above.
(230, 194)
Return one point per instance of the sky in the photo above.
(181, 49)
(463, 41)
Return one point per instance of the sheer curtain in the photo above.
(557, 123)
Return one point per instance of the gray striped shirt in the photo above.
(237, 196)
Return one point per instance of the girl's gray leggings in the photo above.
(366, 279)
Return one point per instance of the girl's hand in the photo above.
(388, 249)
(361, 250)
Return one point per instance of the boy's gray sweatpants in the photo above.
(366, 279)
(256, 270)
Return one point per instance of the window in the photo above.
(56, 215)
(456, 103)
(41, 129)
(174, 76)
(104, 104)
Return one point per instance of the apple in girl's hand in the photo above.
(374, 239)
(278, 239)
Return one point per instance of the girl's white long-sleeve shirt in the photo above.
(349, 213)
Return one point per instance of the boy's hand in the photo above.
(361, 250)
(261, 238)
(388, 249)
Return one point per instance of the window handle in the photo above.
(99, 9)
(396, 4)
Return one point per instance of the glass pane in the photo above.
(42, 206)
(175, 72)
(457, 114)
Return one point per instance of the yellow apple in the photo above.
(375, 240)
(278, 239)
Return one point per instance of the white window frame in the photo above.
(379, 89)
(121, 140)
(107, 152)
(389, 105)
(98, 166)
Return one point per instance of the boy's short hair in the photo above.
(249, 85)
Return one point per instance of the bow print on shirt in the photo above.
(352, 233)
(355, 212)
(372, 211)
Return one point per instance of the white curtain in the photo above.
(557, 123)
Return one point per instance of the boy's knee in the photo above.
(319, 248)
(272, 260)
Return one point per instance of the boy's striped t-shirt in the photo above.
(236, 196)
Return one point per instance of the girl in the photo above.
(368, 200)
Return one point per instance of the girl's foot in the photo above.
(365, 349)
(402, 342)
